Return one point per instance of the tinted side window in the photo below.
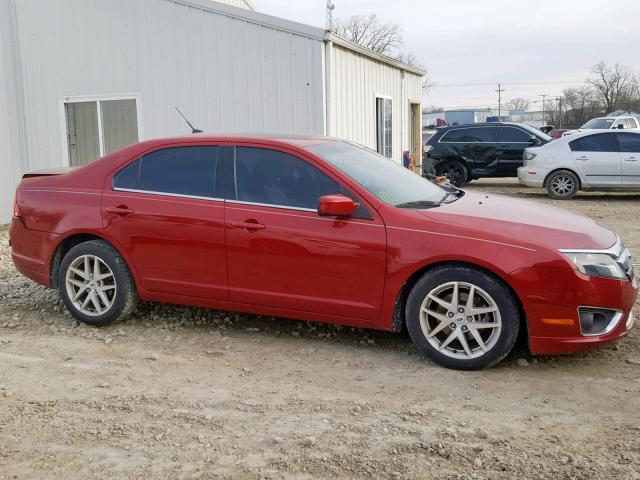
(128, 177)
(179, 170)
(276, 178)
(474, 134)
(595, 143)
(513, 135)
(629, 142)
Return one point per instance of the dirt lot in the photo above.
(187, 393)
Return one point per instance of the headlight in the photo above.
(596, 264)
(529, 156)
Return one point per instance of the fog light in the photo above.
(598, 321)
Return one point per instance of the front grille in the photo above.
(598, 321)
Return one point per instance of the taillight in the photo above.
(16, 207)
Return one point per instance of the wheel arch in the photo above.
(72, 239)
(399, 320)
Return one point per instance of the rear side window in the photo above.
(180, 170)
(631, 123)
(629, 142)
(605, 142)
(513, 135)
(470, 135)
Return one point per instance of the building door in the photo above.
(416, 134)
(99, 127)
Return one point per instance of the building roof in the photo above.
(338, 40)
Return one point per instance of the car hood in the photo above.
(520, 222)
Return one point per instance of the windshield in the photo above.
(387, 180)
(599, 123)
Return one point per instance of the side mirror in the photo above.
(336, 206)
(533, 140)
(620, 126)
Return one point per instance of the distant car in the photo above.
(584, 161)
(546, 128)
(468, 152)
(608, 123)
(557, 133)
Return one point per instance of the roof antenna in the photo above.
(193, 129)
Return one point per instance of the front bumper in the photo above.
(532, 176)
(551, 299)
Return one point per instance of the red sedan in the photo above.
(320, 229)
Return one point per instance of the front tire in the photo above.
(563, 185)
(95, 284)
(455, 171)
(462, 317)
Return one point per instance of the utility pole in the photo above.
(544, 96)
(559, 110)
(330, 8)
(499, 91)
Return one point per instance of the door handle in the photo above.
(631, 159)
(248, 225)
(121, 210)
(583, 158)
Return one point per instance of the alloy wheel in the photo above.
(91, 285)
(453, 173)
(563, 185)
(460, 320)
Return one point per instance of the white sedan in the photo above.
(584, 161)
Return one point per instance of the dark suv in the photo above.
(468, 152)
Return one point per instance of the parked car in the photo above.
(608, 123)
(320, 229)
(557, 133)
(468, 152)
(586, 161)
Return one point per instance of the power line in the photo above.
(482, 84)
(500, 90)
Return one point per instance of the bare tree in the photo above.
(518, 103)
(580, 104)
(370, 32)
(613, 85)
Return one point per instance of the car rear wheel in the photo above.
(462, 317)
(455, 171)
(563, 185)
(95, 284)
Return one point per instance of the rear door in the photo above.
(630, 154)
(476, 146)
(167, 210)
(597, 159)
(511, 144)
(281, 254)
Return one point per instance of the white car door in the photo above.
(598, 159)
(630, 154)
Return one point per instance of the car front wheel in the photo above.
(563, 185)
(95, 284)
(462, 317)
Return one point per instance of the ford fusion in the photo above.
(319, 229)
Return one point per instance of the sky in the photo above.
(469, 46)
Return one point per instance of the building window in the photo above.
(384, 126)
(99, 127)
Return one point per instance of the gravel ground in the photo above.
(189, 393)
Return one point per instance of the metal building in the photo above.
(82, 78)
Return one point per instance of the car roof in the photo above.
(586, 133)
(292, 139)
(484, 124)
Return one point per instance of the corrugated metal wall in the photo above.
(237, 3)
(227, 70)
(354, 82)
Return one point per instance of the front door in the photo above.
(630, 153)
(597, 159)
(282, 254)
(511, 144)
(167, 208)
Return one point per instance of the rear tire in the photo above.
(456, 332)
(455, 171)
(563, 185)
(95, 284)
